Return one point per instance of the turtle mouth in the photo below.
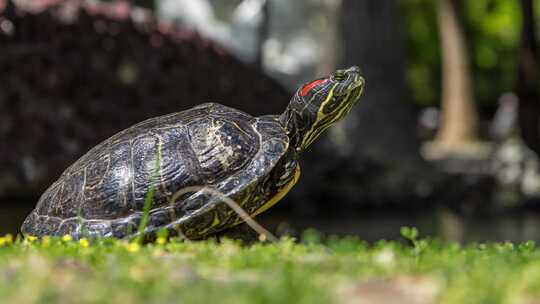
(353, 84)
(357, 83)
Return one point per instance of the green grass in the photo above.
(342, 270)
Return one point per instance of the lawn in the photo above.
(336, 270)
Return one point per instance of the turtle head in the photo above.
(320, 103)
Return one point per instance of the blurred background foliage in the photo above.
(492, 28)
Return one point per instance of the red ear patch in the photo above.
(305, 90)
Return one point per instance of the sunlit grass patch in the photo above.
(336, 270)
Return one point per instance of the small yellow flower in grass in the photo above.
(46, 240)
(31, 238)
(67, 238)
(161, 240)
(133, 247)
(84, 242)
(6, 239)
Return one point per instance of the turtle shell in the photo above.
(104, 192)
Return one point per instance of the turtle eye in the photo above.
(308, 87)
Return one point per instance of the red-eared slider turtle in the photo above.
(252, 160)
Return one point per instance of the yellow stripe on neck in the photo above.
(320, 116)
(313, 134)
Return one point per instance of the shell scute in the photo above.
(222, 146)
(160, 218)
(95, 228)
(144, 157)
(96, 171)
(70, 227)
(108, 185)
(119, 228)
(70, 197)
(178, 162)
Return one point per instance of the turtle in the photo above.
(252, 160)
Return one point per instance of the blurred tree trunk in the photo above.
(385, 120)
(528, 80)
(459, 118)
